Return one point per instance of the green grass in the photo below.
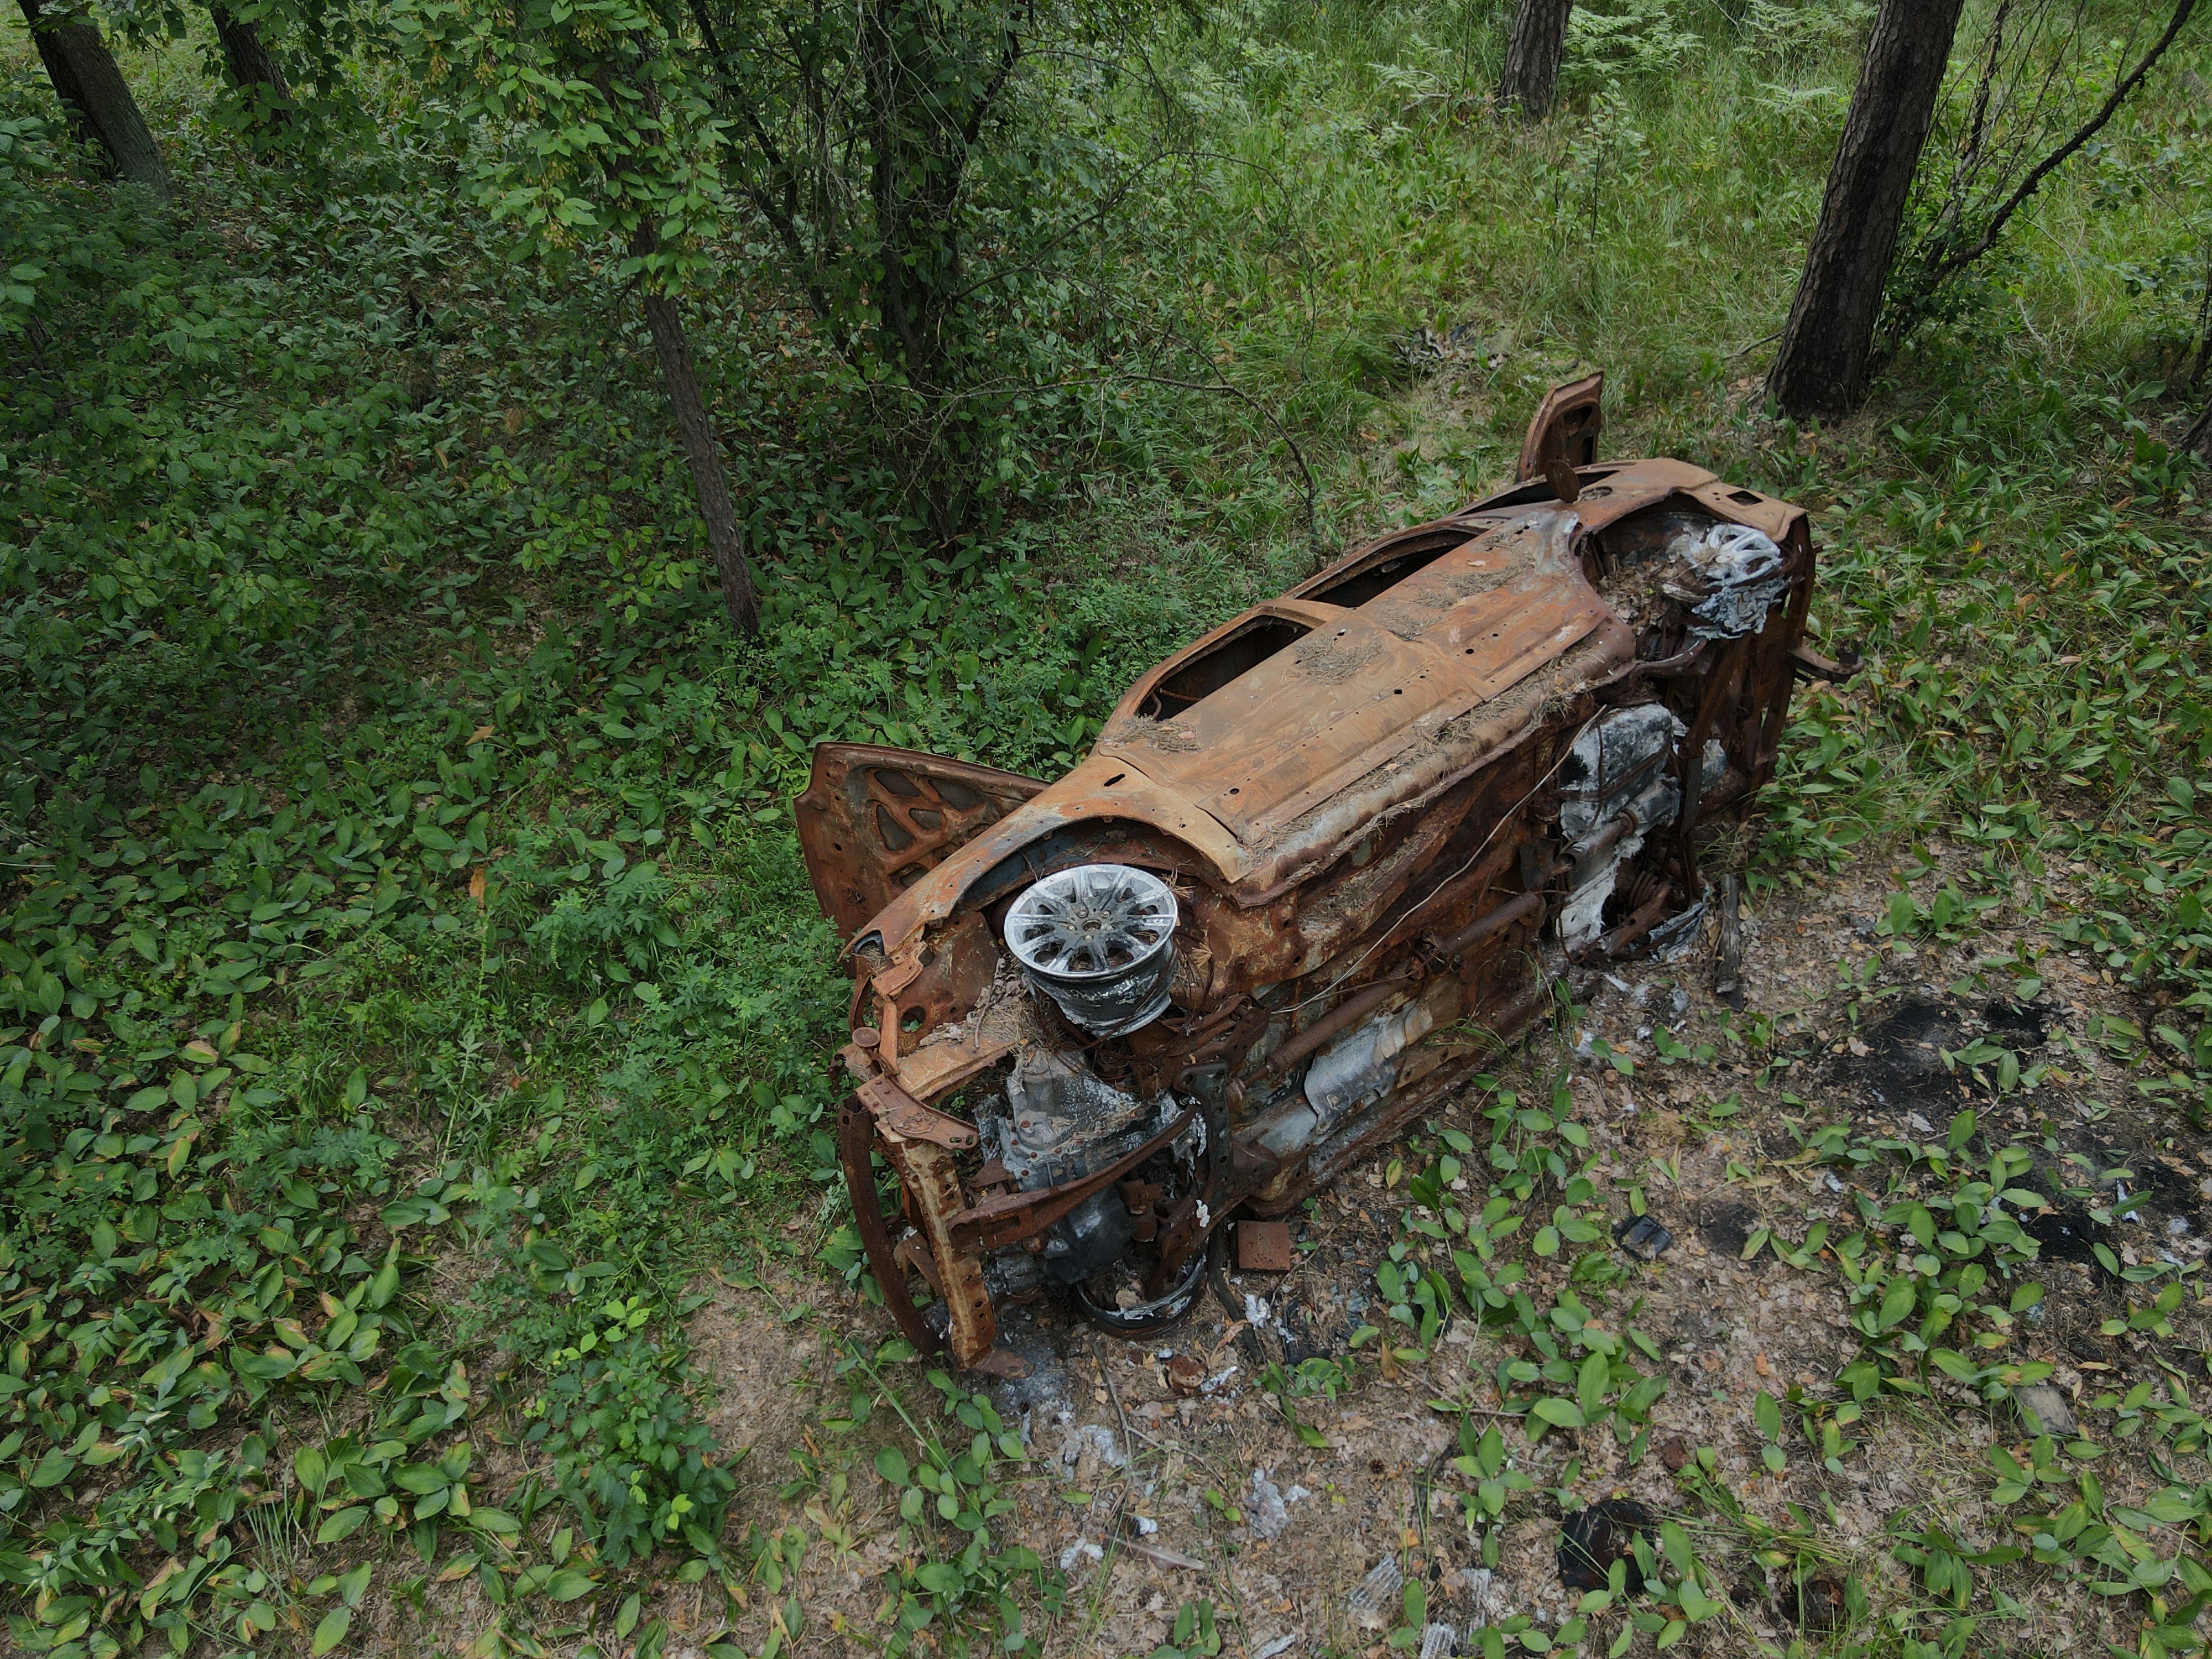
(401, 893)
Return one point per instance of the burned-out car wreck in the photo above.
(1316, 866)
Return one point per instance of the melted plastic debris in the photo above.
(1670, 941)
(1269, 1511)
(1734, 577)
(1374, 1594)
(1643, 1238)
(1620, 768)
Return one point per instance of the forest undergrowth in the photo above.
(409, 992)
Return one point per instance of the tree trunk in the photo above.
(98, 100)
(696, 433)
(253, 71)
(1532, 57)
(2198, 438)
(1821, 367)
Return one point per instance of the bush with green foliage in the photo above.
(630, 1454)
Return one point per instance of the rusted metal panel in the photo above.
(1566, 428)
(1392, 807)
(1264, 1247)
(873, 820)
(927, 1173)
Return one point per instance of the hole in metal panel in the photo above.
(958, 796)
(1224, 661)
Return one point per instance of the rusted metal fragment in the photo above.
(927, 1172)
(901, 1113)
(855, 1138)
(1808, 664)
(1002, 1365)
(1565, 429)
(1264, 1247)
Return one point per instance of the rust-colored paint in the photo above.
(1355, 792)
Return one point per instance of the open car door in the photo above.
(874, 820)
(1565, 428)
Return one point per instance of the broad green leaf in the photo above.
(1768, 1411)
(332, 1630)
(342, 1523)
(1563, 1414)
(1591, 1385)
(1897, 1301)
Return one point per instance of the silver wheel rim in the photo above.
(1096, 922)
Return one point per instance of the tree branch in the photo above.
(2050, 163)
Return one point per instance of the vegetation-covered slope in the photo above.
(408, 988)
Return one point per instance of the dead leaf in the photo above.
(477, 885)
(482, 734)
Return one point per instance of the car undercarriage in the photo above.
(1316, 866)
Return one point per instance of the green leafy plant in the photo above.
(953, 1490)
(630, 1454)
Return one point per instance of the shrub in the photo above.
(630, 1449)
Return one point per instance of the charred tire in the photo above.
(1147, 1317)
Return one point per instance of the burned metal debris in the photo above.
(1643, 1238)
(1317, 863)
(1592, 1539)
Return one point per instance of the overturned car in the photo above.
(1317, 864)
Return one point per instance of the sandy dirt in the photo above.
(1149, 1500)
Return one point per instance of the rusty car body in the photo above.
(1317, 864)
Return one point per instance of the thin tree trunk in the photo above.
(1821, 367)
(696, 433)
(90, 85)
(1532, 57)
(2199, 436)
(253, 71)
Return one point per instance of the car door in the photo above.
(873, 820)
